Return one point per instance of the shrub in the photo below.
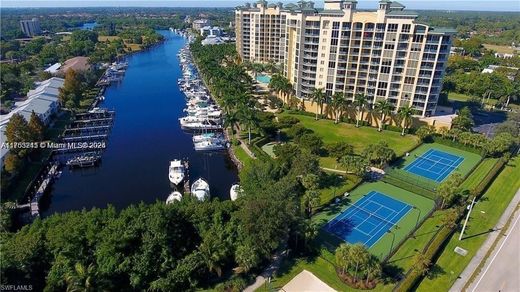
(287, 122)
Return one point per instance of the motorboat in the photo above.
(176, 172)
(200, 189)
(210, 145)
(234, 192)
(206, 136)
(194, 123)
(174, 196)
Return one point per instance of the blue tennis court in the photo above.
(367, 220)
(434, 164)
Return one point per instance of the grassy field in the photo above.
(484, 217)
(242, 155)
(470, 159)
(458, 96)
(479, 173)
(359, 138)
(499, 49)
(382, 247)
(106, 38)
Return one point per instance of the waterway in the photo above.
(145, 137)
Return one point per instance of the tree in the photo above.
(16, 131)
(82, 278)
(405, 117)
(449, 189)
(247, 257)
(318, 97)
(310, 231)
(70, 93)
(378, 154)
(421, 264)
(360, 102)
(500, 144)
(310, 200)
(12, 162)
(311, 142)
(343, 259)
(354, 164)
(449, 219)
(372, 269)
(339, 149)
(36, 127)
(359, 256)
(310, 181)
(464, 120)
(384, 108)
(425, 132)
(337, 106)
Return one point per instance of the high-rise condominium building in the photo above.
(30, 27)
(384, 54)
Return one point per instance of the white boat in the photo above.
(234, 192)
(210, 145)
(176, 171)
(197, 124)
(175, 196)
(200, 189)
(206, 136)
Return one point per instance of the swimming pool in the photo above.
(263, 78)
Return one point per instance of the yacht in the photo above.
(200, 189)
(210, 145)
(175, 196)
(176, 171)
(193, 123)
(234, 192)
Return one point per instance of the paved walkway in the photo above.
(484, 249)
(306, 282)
(268, 272)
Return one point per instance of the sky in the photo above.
(480, 5)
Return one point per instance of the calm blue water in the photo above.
(88, 26)
(145, 137)
(263, 78)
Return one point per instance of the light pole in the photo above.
(470, 208)
(393, 239)
(418, 216)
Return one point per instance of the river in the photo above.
(145, 137)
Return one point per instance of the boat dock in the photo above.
(48, 178)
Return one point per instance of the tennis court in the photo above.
(434, 164)
(367, 220)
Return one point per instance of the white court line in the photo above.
(346, 214)
(394, 224)
(387, 223)
(451, 168)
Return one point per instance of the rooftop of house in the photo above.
(76, 64)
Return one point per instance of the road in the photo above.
(502, 273)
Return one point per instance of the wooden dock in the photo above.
(44, 185)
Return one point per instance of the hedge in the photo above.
(433, 248)
(451, 143)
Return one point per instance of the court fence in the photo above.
(405, 238)
(413, 183)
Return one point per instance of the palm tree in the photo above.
(318, 97)
(384, 108)
(287, 89)
(361, 102)
(230, 121)
(310, 231)
(405, 117)
(359, 255)
(337, 105)
(310, 200)
(248, 117)
(343, 258)
(372, 269)
(81, 278)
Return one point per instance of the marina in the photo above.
(142, 138)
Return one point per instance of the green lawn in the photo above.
(359, 138)
(268, 148)
(484, 217)
(382, 247)
(458, 96)
(479, 173)
(242, 155)
(469, 162)
(343, 184)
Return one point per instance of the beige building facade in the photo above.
(383, 54)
